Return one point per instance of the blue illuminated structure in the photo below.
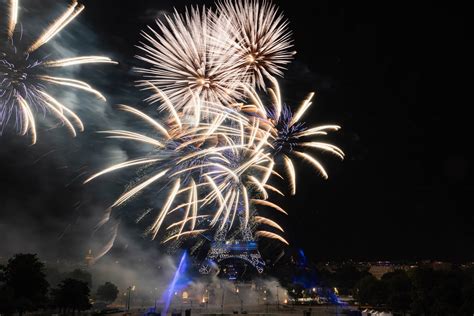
(224, 248)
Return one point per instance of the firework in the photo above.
(214, 153)
(290, 137)
(224, 165)
(261, 36)
(24, 79)
(267, 234)
(220, 165)
(186, 61)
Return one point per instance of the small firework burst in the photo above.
(292, 137)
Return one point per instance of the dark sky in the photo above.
(394, 75)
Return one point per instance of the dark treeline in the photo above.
(24, 287)
(418, 291)
(422, 291)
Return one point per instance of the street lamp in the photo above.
(278, 299)
(240, 299)
(265, 299)
(222, 301)
(130, 289)
(205, 298)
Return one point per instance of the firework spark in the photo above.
(24, 79)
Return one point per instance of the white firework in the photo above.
(187, 61)
(261, 36)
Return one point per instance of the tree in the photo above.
(107, 292)
(467, 308)
(54, 276)
(72, 295)
(24, 286)
(399, 288)
(442, 292)
(6, 301)
(371, 291)
(345, 278)
(80, 275)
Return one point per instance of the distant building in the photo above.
(378, 270)
(440, 265)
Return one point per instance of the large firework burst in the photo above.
(186, 60)
(220, 165)
(215, 157)
(219, 171)
(24, 79)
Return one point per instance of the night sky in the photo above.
(396, 76)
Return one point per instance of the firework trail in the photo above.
(24, 78)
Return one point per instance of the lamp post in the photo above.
(130, 289)
(222, 301)
(266, 301)
(237, 291)
(278, 299)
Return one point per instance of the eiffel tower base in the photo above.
(235, 249)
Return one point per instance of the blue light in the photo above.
(179, 281)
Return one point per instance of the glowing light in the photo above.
(168, 294)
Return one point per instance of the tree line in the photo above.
(24, 288)
(421, 291)
(418, 291)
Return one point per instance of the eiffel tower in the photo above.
(229, 247)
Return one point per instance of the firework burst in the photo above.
(290, 136)
(224, 165)
(261, 37)
(220, 165)
(24, 79)
(184, 153)
(217, 148)
(186, 61)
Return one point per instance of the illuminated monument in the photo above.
(89, 259)
(227, 250)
